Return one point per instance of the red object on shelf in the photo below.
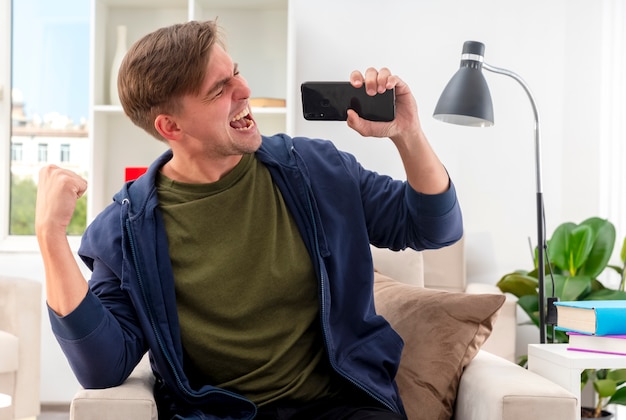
(134, 172)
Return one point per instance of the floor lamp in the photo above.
(466, 101)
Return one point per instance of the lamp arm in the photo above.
(521, 81)
(540, 210)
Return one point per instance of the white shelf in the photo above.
(257, 110)
(108, 108)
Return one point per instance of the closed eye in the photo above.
(218, 88)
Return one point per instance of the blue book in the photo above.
(597, 317)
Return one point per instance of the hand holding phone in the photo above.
(330, 101)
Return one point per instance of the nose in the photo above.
(242, 90)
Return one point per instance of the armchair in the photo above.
(20, 340)
(490, 386)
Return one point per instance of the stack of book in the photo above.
(594, 325)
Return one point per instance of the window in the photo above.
(16, 152)
(65, 153)
(42, 153)
(49, 85)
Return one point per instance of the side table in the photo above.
(563, 367)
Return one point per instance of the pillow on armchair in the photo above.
(442, 332)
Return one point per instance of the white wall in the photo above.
(493, 168)
(555, 46)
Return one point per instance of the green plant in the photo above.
(608, 385)
(576, 255)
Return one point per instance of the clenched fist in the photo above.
(57, 193)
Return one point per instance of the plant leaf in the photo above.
(558, 246)
(618, 375)
(605, 387)
(603, 244)
(518, 284)
(569, 288)
(619, 397)
(579, 246)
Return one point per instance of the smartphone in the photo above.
(330, 101)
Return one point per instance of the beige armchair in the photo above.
(20, 343)
(491, 387)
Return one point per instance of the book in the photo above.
(611, 344)
(600, 317)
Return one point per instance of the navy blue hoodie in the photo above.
(339, 207)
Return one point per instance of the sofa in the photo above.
(462, 370)
(20, 343)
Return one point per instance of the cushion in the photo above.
(442, 332)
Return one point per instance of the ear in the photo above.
(167, 127)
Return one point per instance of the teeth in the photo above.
(241, 114)
(249, 125)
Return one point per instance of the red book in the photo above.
(611, 344)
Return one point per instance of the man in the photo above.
(240, 262)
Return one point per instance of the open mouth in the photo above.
(242, 121)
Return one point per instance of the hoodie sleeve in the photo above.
(399, 217)
(101, 338)
(395, 215)
(91, 339)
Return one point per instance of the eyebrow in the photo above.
(221, 83)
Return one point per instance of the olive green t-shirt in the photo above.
(246, 290)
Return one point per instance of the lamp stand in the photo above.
(541, 272)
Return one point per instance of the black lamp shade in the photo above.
(466, 99)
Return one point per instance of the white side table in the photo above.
(5, 400)
(563, 367)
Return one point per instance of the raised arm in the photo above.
(424, 171)
(57, 194)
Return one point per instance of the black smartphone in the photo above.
(330, 101)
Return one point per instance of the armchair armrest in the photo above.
(134, 399)
(492, 388)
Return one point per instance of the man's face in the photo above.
(217, 122)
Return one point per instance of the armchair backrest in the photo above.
(442, 268)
